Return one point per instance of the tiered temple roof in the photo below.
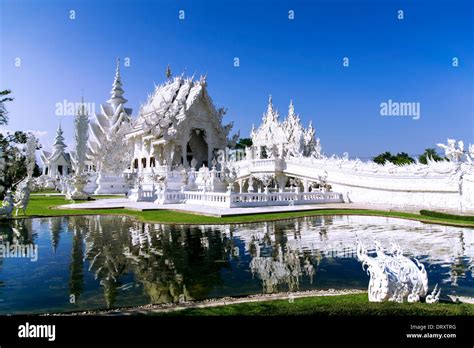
(112, 116)
(59, 148)
(171, 103)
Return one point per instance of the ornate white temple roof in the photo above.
(59, 148)
(271, 131)
(289, 134)
(170, 104)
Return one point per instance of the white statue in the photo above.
(7, 206)
(452, 152)
(434, 296)
(22, 199)
(22, 194)
(393, 277)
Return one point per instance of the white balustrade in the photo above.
(226, 199)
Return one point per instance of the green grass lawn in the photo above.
(354, 304)
(45, 191)
(42, 206)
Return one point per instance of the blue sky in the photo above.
(407, 60)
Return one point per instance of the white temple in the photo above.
(177, 151)
(58, 162)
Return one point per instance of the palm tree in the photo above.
(382, 158)
(429, 153)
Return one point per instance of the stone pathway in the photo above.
(124, 203)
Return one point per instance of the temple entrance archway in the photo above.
(197, 148)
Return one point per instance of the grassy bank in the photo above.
(354, 304)
(41, 206)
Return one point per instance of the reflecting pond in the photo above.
(78, 263)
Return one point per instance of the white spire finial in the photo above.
(116, 94)
(59, 145)
(291, 108)
(270, 105)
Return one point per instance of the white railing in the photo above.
(219, 199)
(283, 198)
(140, 195)
(268, 163)
(231, 200)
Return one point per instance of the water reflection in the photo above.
(106, 261)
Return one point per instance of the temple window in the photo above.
(135, 163)
(143, 162)
(152, 162)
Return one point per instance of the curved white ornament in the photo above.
(393, 277)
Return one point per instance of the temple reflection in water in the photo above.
(155, 263)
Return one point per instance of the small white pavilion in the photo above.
(58, 162)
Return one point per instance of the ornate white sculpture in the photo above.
(433, 297)
(457, 153)
(22, 198)
(287, 139)
(79, 178)
(7, 206)
(393, 277)
(22, 194)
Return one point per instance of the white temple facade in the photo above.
(178, 126)
(58, 162)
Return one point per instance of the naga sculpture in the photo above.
(393, 277)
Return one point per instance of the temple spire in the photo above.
(116, 94)
(59, 145)
(168, 72)
(291, 109)
(82, 110)
(270, 104)
(271, 115)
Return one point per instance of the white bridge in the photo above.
(291, 181)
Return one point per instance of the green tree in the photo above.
(12, 149)
(14, 155)
(3, 110)
(243, 143)
(383, 157)
(429, 153)
(402, 158)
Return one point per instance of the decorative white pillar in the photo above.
(305, 185)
